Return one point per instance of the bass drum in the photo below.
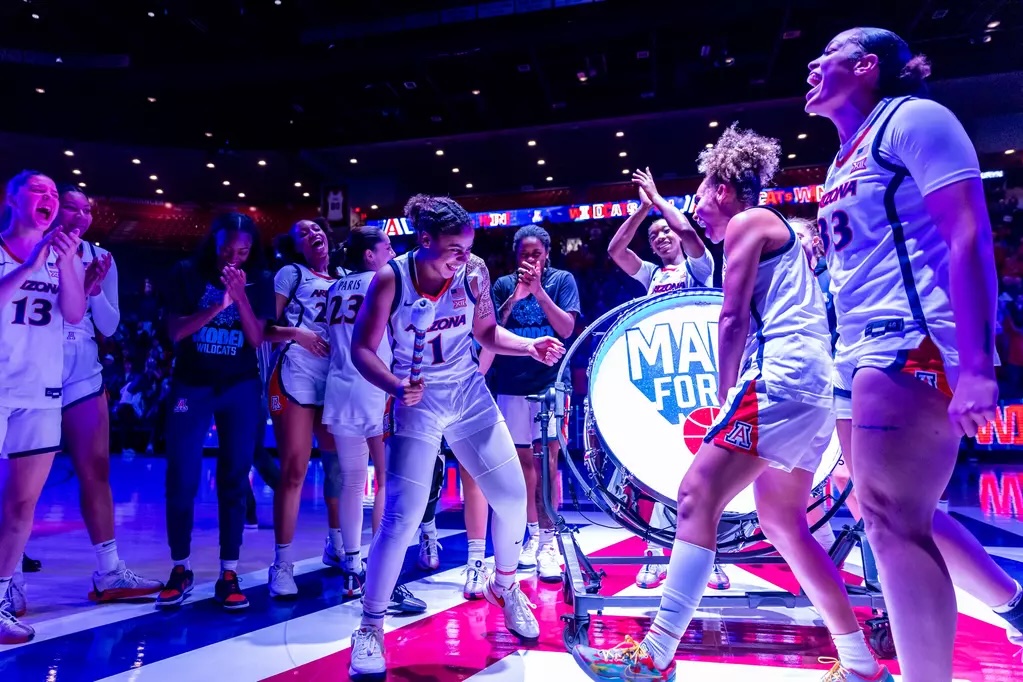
(653, 387)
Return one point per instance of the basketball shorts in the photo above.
(29, 432)
(786, 433)
(520, 415)
(925, 362)
(83, 375)
(452, 411)
(355, 423)
(295, 381)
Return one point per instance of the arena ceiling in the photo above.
(308, 85)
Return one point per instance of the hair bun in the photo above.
(415, 206)
(918, 68)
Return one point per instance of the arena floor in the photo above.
(454, 640)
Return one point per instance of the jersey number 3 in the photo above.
(350, 309)
(840, 227)
(40, 316)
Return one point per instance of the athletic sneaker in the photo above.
(16, 594)
(229, 594)
(30, 565)
(12, 630)
(518, 610)
(840, 674)
(281, 580)
(331, 554)
(652, 575)
(1014, 618)
(628, 661)
(121, 584)
(429, 552)
(719, 579)
(548, 568)
(475, 580)
(367, 654)
(353, 582)
(178, 586)
(527, 558)
(403, 601)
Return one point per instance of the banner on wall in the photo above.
(577, 213)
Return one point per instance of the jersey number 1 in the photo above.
(438, 352)
(41, 312)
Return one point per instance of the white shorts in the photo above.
(28, 432)
(773, 429)
(357, 429)
(450, 411)
(354, 408)
(520, 414)
(83, 375)
(925, 362)
(296, 381)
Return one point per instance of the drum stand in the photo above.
(581, 580)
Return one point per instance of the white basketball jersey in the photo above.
(345, 385)
(889, 265)
(31, 338)
(450, 355)
(307, 308)
(84, 331)
(789, 340)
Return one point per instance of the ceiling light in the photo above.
(710, 145)
(801, 136)
(986, 39)
(227, 183)
(241, 195)
(151, 100)
(468, 185)
(151, 14)
(252, 208)
(41, 91)
(582, 76)
(475, 92)
(210, 165)
(620, 134)
(550, 179)
(35, 16)
(81, 184)
(159, 191)
(298, 184)
(261, 162)
(353, 161)
(791, 156)
(374, 207)
(623, 154)
(68, 152)
(625, 171)
(166, 205)
(209, 134)
(152, 177)
(76, 172)
(136, 161)
(1010, 151)
(305, 194)
(454, 170)
(277, 2)
(994, 24)
(812, 113)
(713, 124)
(439, 152)
(531, 143)
(540, 162)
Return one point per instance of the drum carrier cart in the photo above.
(581, 580)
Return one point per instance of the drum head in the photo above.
(653, 392)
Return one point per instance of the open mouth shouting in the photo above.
(814, 79)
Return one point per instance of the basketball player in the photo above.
(297, 386)
(911, 260)
(537, 300)
(774, 352)
(667, 237)
(41, 287)
(452, 402)
(220, 303)
(86, 415)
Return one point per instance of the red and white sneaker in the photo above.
(518, 610)
(652, 575)
(121, 583)
(719, 579)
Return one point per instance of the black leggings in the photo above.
(438, 480)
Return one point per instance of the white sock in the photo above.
(283, 553)
(546, 536)
(477, 550)
(184, 562)
(352, 561)
(429, 528)
(106, 556)
(854, 654)
(336, 540)
(1012, 603)
(533, 529)
(228, 566)
(688, 572)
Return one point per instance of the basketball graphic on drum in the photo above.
(654, 392)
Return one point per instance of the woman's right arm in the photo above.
(618, 247)
(370, 325)
(182, 326)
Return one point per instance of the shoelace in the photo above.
(431, 545)
(401, 592)
(629, 651)
(371, 641)
(837, 672)
(129, 577)
(519, 596)
(7, 611)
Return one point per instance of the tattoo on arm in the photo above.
(485, 303)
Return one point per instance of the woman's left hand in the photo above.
(234, 281)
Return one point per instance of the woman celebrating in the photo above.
(217, 313)
(353, 408)
(451, 401)
(40, 288)
(297, 385)
(775, 424)
(909, 249)
(86, 415)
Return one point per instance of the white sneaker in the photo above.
(548, 568)
(121, 583)
(527, 558)
(12, 630)
(518, 610)
(429, 552)
(16, 595)
(281, 580)
(331, 554)
(367, 652)
(475, 580)
(652, 575)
